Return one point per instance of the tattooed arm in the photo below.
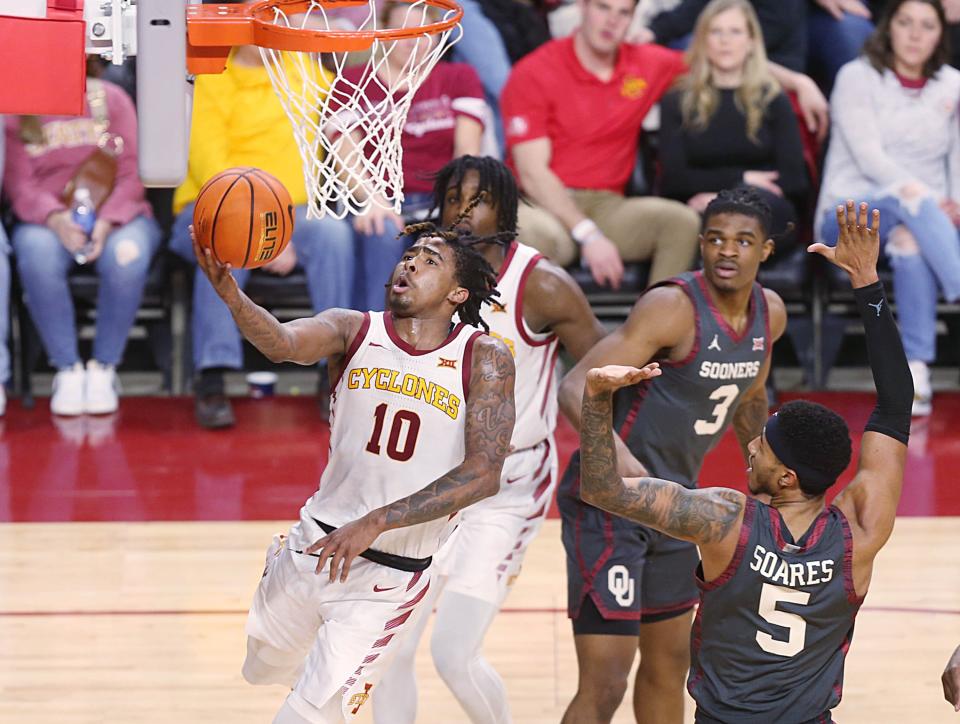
(753, 409)
(489, 427)
(304, 341)
(709, 517)
(490, 416)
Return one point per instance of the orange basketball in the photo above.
(244, 216)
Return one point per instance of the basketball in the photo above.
(244, 216)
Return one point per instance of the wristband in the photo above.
(583, 230)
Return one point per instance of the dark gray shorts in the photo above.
(631, 573)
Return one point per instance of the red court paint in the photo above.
(151, 461)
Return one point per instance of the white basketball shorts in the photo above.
(347, 632)
(484, 555)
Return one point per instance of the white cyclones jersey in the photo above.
(535, 355)
(396, 424)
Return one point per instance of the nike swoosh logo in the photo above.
(377, 589)
(374, 344)
(510, 481)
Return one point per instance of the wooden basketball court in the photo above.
(124, 622)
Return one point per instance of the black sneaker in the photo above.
(213, 412)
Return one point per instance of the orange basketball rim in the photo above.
(212, 30)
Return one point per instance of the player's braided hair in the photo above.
(495, 179)
(473, 271)
(740, 200)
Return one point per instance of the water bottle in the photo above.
(84, 215)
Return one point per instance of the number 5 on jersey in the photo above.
(401, 419)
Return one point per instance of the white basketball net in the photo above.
(349, 132)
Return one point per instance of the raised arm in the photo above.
(754, 407)
(709, 517)
(554, 301)
(490, 416)
(304, 341)
(658, 321)
(870, 501)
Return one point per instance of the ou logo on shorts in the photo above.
(620, 585)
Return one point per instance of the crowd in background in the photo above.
(573, 96)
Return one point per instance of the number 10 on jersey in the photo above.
(404, 423)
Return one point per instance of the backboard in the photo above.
(304, 49)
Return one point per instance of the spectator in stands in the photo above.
(573, 110)
(445, 121)
(239, 121)
(483, 46)
(896, 145)
(782, 22)
(728, 122)
(46, 155)
(4, 301)
(836, 32)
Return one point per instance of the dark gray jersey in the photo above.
(772, 631)
(671, 422)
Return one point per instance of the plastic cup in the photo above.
(261, 384)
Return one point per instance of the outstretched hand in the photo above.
(613, 377)
(219, 274)
(858, 246)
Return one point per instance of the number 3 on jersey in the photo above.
(726, 394)
(394, 450)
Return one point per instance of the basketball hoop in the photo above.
(346, 100)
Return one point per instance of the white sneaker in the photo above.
(922, 389)
(68, 386)
(101, 389)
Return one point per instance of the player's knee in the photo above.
(288, 714)
(604, 696)
(263, 667)
(902, 242)
(451, 662)
(666, 668)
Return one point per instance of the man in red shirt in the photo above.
(572, 112)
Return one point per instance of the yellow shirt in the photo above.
(239, 121)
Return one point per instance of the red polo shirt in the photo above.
(593, 125)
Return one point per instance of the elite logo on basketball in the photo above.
(269, 225)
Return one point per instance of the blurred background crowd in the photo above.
(621, 121)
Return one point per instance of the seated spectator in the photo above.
(239, 121)
(896, 145)
(573, 110)
(572, 113)
(491, 36)
(4, 302)
(484, 47)
(728, 122)
(45, 154)
(445, 121)
(836, 32)
(782, 23)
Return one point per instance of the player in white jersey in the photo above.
(539, 307)
(422, 415)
